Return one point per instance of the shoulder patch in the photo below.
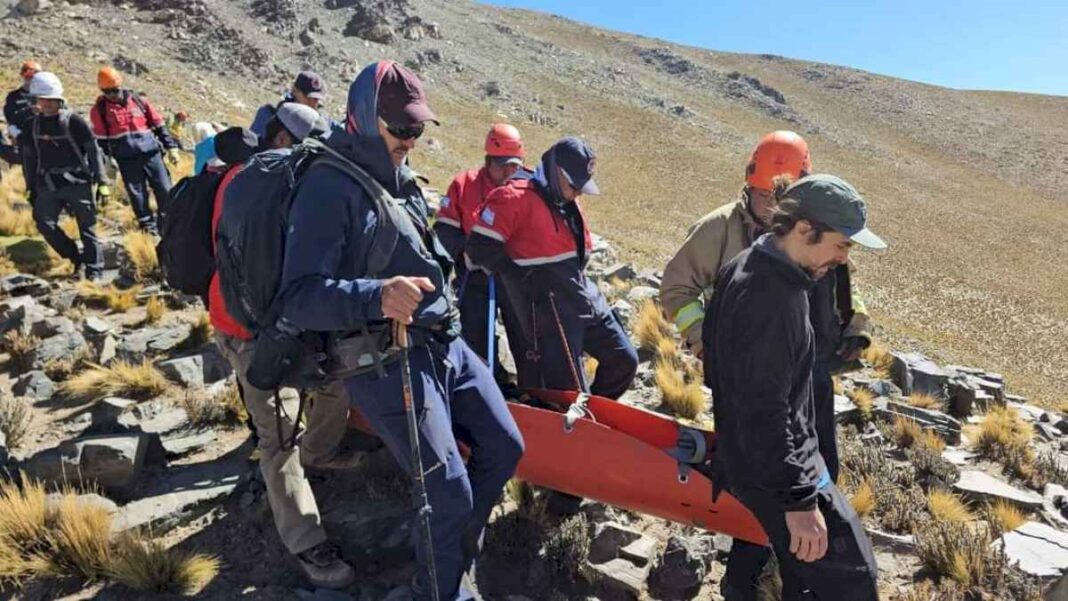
(487, 216)
(444, 202)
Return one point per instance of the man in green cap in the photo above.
(758, 363)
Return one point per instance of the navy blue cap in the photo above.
(577, 160)
(310, 84)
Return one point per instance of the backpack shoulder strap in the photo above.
(141, 105)
(64, 125)
(386, 206)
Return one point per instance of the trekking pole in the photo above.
(491, 325)
(419, 498)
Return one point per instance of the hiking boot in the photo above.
(323, 566)
(348, 459)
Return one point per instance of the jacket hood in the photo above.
(359, 139)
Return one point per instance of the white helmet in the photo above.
(46, 85)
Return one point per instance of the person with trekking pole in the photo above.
(475, 289)
(532, 235)
(360, 254)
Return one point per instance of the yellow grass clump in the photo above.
(878, 356)
(667, 352)
(956, 550)
(18, 346)
(906, 432)
(15, 220)
(685, 400)
(1004, 436)
(1005, 516)
(7, 266)
(119, 301)
(141, 250)
(947, 507)
(155, 309)
(650, 327)
(201, 333)
(135, 381)
(864, 399)
(863, 500)
(148, 566)
(15, 420)
(23, 515)
(924, 401)
(80, 540)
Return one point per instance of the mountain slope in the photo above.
(968, 187)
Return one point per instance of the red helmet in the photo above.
(503, 141)
(778, 153)
(28, 68)
(181, 116)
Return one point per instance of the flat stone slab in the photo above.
(979, 484)
(1040, 549)
(622, 575)
(958, 456)
(180, 495)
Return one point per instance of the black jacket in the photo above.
(50, 153)
(758, 363)
(18, 109)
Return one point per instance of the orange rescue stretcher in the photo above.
(624, 456)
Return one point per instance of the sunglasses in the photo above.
(406, 132)
(110, 91)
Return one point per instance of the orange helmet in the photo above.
(503, 140)
(28, 68)
(108, 78)
(181, 115)
(778, 153)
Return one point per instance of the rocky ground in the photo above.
(173, 460)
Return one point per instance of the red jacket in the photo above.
(463, 201)
(129, 127)
(220, 318)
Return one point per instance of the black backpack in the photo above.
(250, 237)
(185, 248)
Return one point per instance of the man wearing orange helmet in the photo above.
(837, 314)
(19, 107)
(459, 213)
(133, 133)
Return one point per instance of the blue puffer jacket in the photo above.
(332, 224)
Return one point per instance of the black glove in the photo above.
(850, 348)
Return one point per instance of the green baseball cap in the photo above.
(834, 203)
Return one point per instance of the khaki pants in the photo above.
(296, 514)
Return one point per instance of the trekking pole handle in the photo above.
(400, 334)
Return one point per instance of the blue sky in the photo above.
(984, 44)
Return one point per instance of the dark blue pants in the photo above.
(746, 561)
(847, 571)
(139, 174)
(603, 338)
(78, 202)
(456, 399)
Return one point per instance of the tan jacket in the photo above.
(690, 275)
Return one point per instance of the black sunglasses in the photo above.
(406, 132)
(110, 91)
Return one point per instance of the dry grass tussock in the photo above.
(908, 434)
(650, 326)
(863, 499)
(135, 381)
(684, 399)
(225, 409)
(150, 567)
(1003, 436)
(110, 297)
(878, 356)
(141, 251)
(72, 537)
(864, 399)
(200, 334)
(15, 419)
(925, 401)
(155, 309)
(19, 347)
(16, 216)
(1004, 516)
(948, 507)
(7, 266)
